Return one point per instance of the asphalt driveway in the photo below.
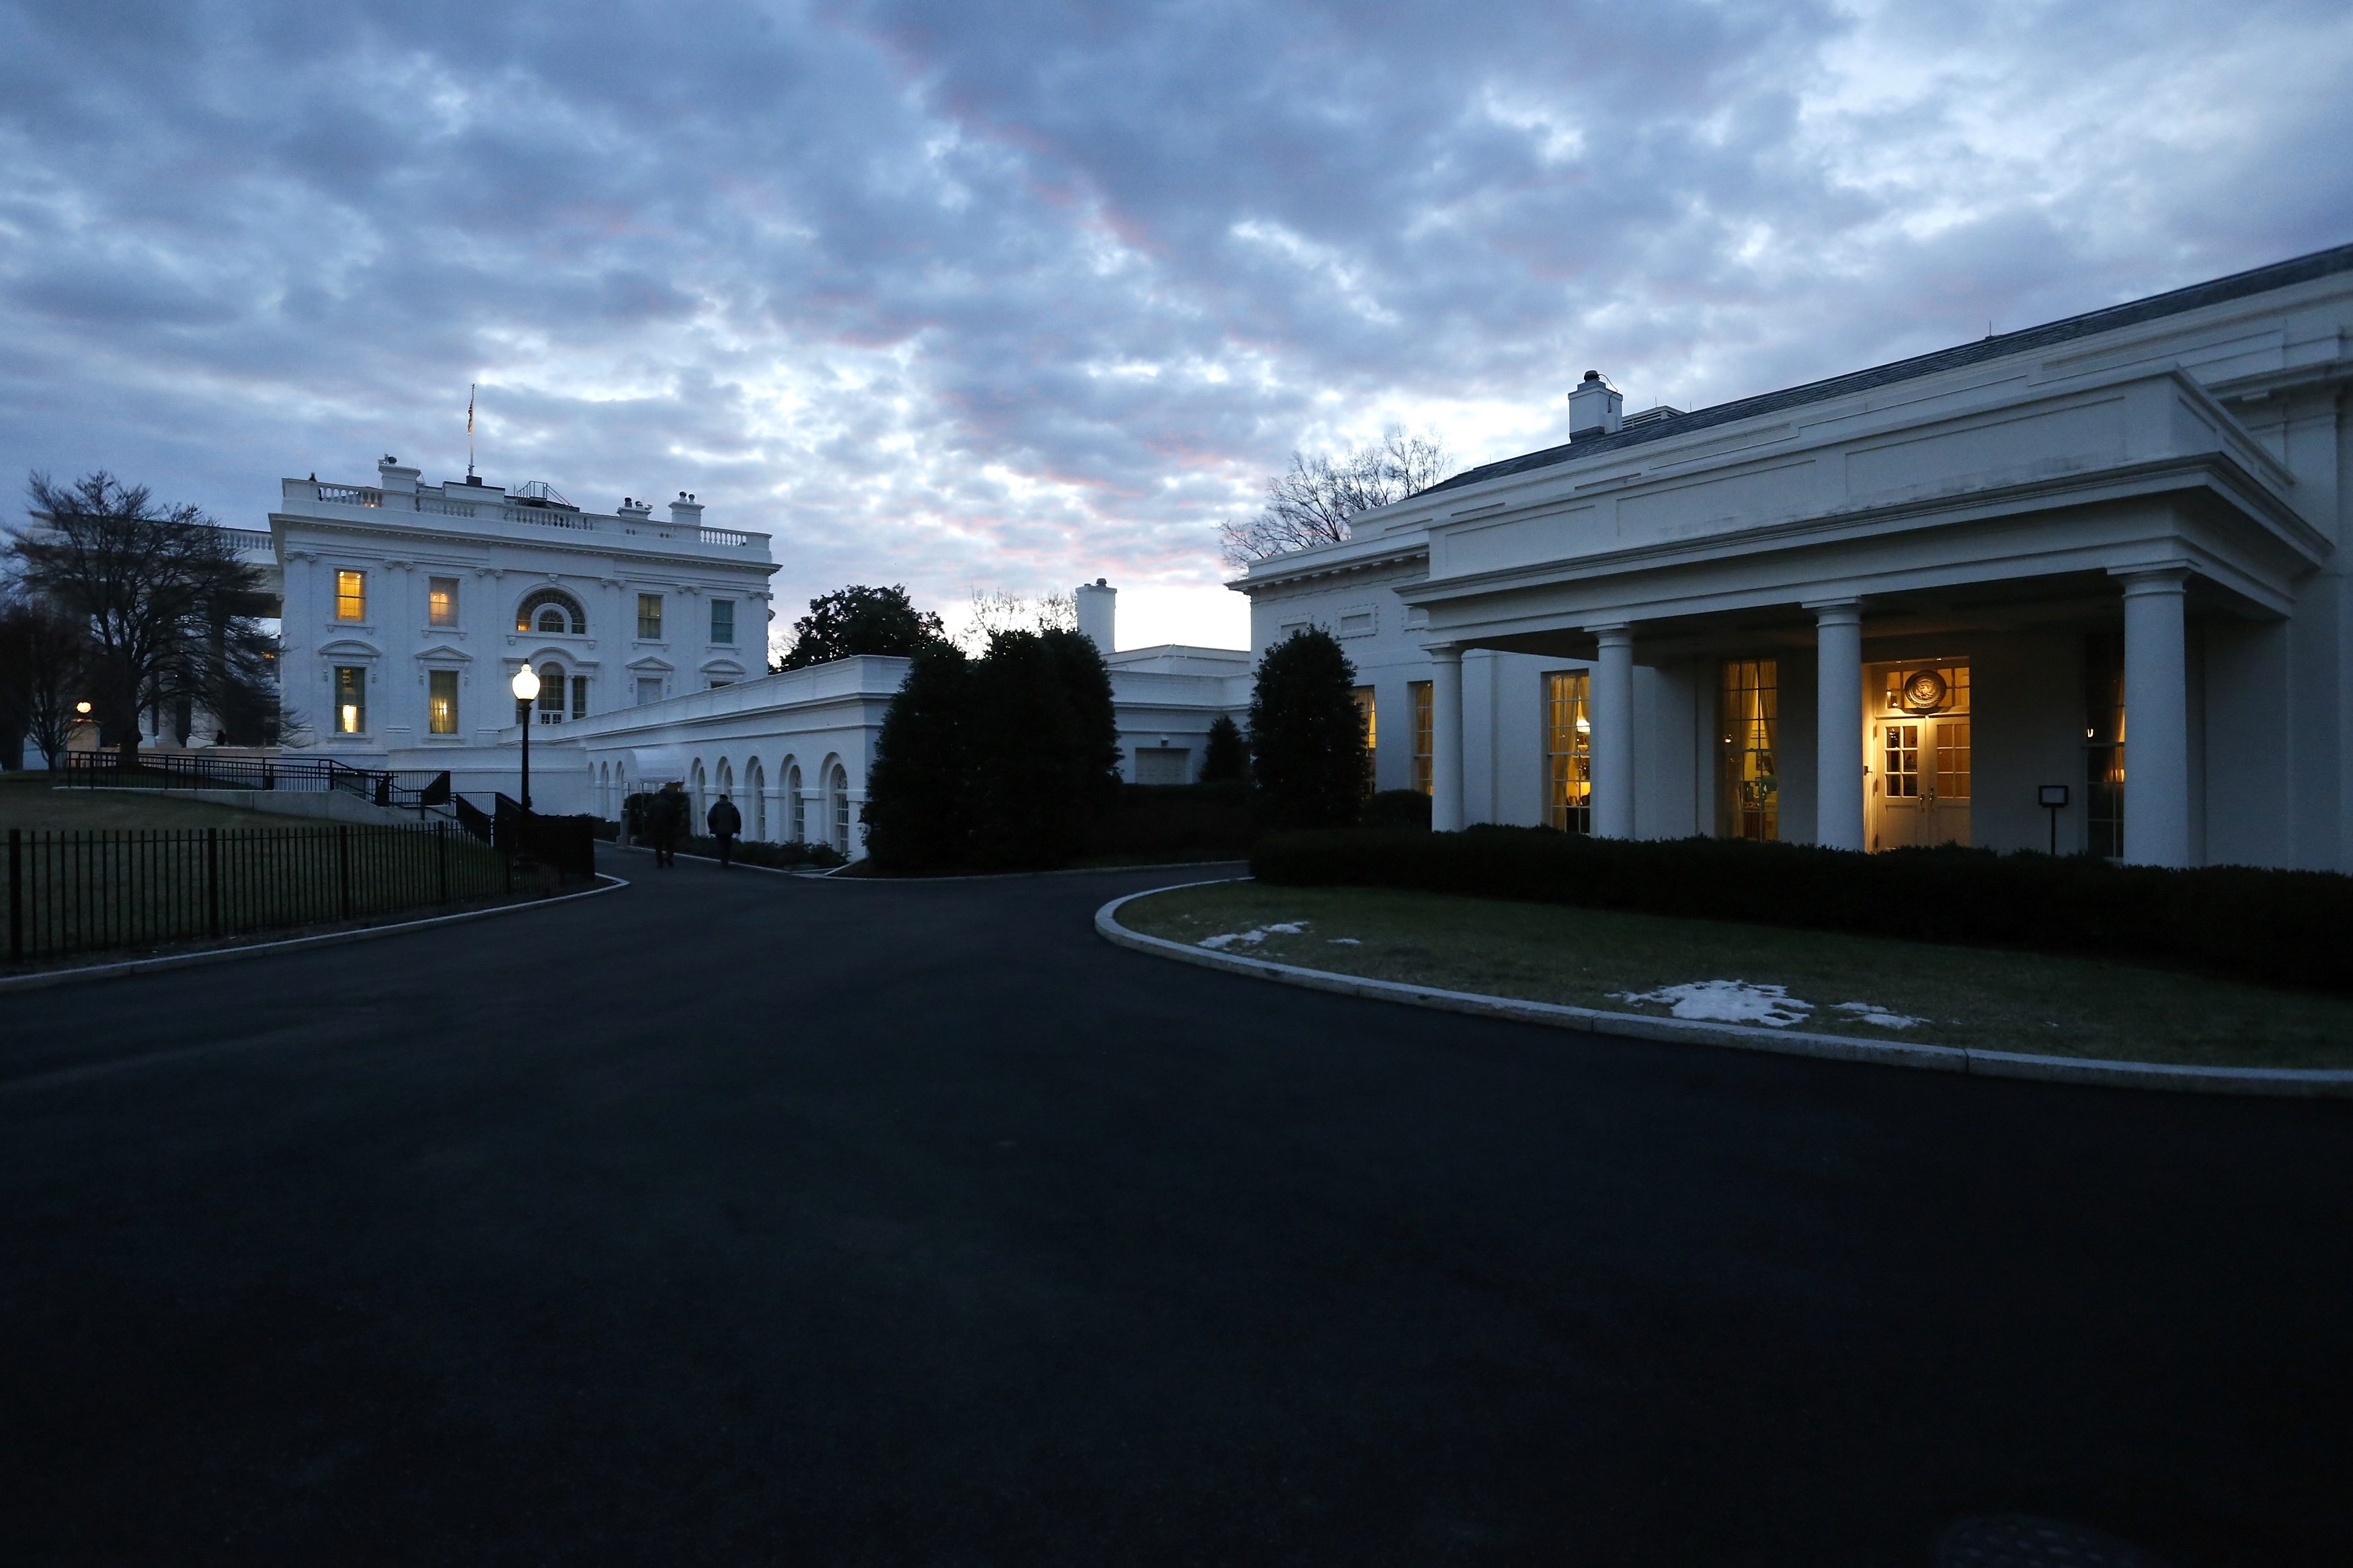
(740, 1219)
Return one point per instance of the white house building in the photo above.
(1922, 603)
(407, 609)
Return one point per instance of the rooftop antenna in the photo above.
(470, 430)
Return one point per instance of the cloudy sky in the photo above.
(1008, 296)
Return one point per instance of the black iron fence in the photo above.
(73, 891)
(411, 789)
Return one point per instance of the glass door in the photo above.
(1918, 753)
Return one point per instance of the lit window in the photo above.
(441, 702)
(723, 620)
(551, 610)
(1748, 711)
(441, 602)
(351, 698)
(351, 595)
(1569, 750)
(1367, 733)
(649, 617)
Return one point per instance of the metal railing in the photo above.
(406, 790)
(635, 523)
(75, 891)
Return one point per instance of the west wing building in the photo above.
(2079, 586)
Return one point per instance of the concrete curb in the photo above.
(47, 978)
(2285, 1082)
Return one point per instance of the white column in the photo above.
(1613, 733)
(1838, 724)
(1446, 739)
(2156, 720)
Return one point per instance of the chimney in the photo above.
(685, 512)
(1594, 407)
(1099, 615)
(393, 479)
(632, 509)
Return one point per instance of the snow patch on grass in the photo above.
(1253, 936)
(1872, 1013)
(1727, 1002)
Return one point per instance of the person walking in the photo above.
(666, 819)
(724, 822)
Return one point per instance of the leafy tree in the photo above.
(996, 611)
(43, 655)
(917, 814)
(170, 609)
(862, 620)
(1306, 735)
(1224, 760)
(1312, 503)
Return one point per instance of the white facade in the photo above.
(2152, 495)
(408, 609)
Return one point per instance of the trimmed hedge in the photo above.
(1181, 822)
(760, 852)
(2274, 928)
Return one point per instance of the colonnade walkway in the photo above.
(740, 1218)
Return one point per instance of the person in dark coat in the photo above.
(724, 822)
(666, 819)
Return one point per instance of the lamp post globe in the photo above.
(526, 690)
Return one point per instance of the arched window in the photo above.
(755, 785)
(695, 787)
(726, 781)
(796, 809)
(838, 786)
(551, 610)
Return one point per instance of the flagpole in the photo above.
(469, 429)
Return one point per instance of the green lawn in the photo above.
(34, 801)
(1959, 996)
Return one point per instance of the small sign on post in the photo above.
(2052, 798)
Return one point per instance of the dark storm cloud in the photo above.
(1013, 295)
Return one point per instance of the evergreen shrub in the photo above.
(2276, 928)
(1306, 737)
(1225, 758)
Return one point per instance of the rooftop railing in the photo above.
(531, 516)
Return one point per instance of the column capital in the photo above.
(1444, 652)
(2162, 577)
(1618, 634)
(1847, 610)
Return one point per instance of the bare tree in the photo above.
(994, 611)
(1312, 503)
(169, 608)
(43, 655)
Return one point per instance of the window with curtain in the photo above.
(441, 702)
(1368, 733)
(2104, 743)
(351, 595)
(1748, 717)
(1568, 750)
(649, 617)
(351, 699)
(441, 602)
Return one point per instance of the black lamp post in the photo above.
(526, 690)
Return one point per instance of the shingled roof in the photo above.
(2239, 285)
